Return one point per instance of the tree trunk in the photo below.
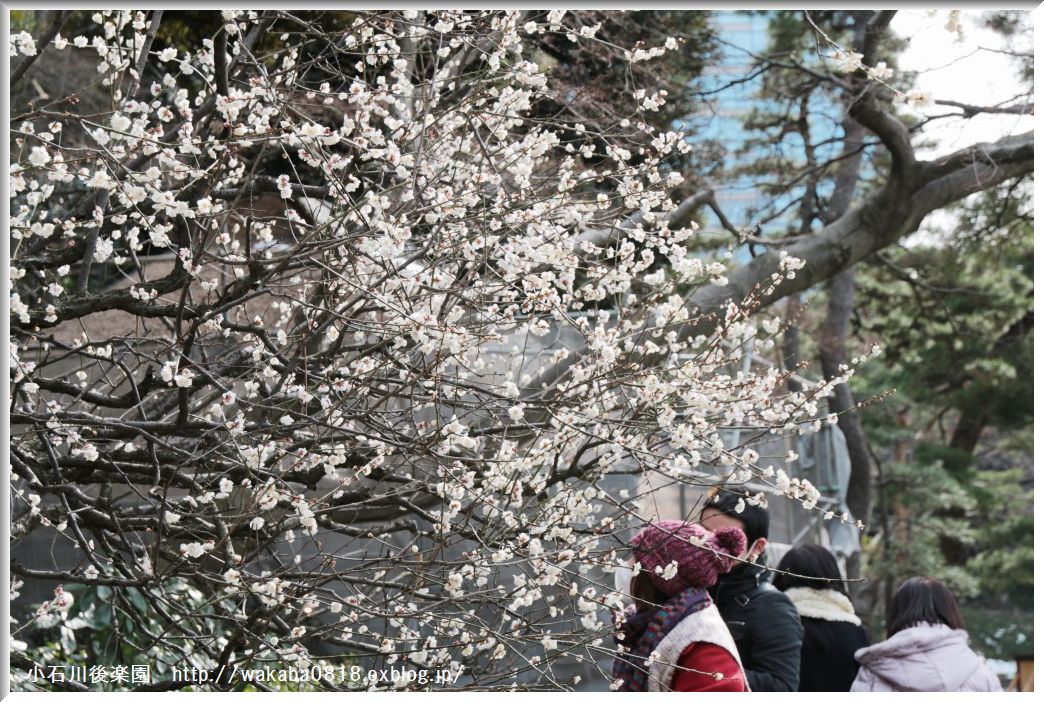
(834, 333)
(901, 512)
(965, 438)
(832, 353)
(973, 420)
(883, 593)
(792, 339)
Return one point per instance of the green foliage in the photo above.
(108, 627)
(955, 318)
(923, 498)
(1000, 633)
(23, 21)
(953, 314)
(1005, 561)
(958, 317)
(1011, 24)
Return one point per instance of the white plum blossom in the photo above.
(881, 71)
(159, 237)
(39, 157)
(285, 190)
(919, 100)
(195, 550)
(173, 376)
(953, 24)
(225, 488)
(269, 497)
(103, 250)
(120, 122)
(87, 451)
(19, 308)
(23, 43)
(848, 61)
(54, 610)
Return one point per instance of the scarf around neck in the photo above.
(643, 630)
(829, 605)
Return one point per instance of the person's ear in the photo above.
(758, 548)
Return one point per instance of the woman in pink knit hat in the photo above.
(673, 637)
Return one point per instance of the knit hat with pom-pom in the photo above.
(679, 555)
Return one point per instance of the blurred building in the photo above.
(726, 103)
(730, 92)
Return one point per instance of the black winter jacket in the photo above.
(766, 627)
(828, 661)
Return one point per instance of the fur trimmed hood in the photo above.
(829, 605)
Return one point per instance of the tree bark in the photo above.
(966, 436)
(792, 339)
(834, 334)
(832, 353)
(974, 420)
(881, 220)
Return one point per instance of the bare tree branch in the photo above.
(973, 110)
(42, 42)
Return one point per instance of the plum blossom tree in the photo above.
(322, 318)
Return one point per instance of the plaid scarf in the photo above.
(643, 630)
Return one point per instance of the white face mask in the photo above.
(624, 575)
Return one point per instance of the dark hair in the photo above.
(755, 519)
(921, 599)
(811, 561)
(645, 593)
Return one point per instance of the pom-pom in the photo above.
(730, 541)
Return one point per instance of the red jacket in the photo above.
(709, 658)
